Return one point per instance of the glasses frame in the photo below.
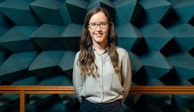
(94, 25)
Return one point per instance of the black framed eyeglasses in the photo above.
(102, 25)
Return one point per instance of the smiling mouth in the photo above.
(99, 35)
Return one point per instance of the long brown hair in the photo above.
(86, 57)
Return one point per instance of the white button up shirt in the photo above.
(109, 86)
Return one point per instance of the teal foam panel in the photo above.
(153, 67)
(46, 64)
(56, 80)
(102, 3)
(46, 37)
(6, 99)
(31, 108)
(48, 11)
(184, 82)
(69, 40)
(151, 103)
(184, 102)
(156, 36)
(43, 100)
(16, 66)
(17, 39)
(77, 10)
(183, 64)
(14, 107)
(67, 60)
(18, 11)
(124, 11)
(136, 63)
(58, 106)
(2, 57)
(3, 29)
(183, 35)
(172, 78)
(155, 11)
(191, 51)
(140, 47)
(53, 80)
(128, 34)
(29, 80)
(140, 77)
(183, 8)
(4, 25)
(153, 81)
(172, 47)
(159, 100)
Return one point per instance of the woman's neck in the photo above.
(100, 48)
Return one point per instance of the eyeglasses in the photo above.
(102, 25)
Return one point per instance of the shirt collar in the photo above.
(94, 49)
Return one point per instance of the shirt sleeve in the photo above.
(77, 79)
(126, 75)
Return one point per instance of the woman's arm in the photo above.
(77, 79)
(126, 74)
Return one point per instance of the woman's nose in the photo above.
(98, 28)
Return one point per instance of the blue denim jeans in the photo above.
(87, 106)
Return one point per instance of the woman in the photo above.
(102, 72)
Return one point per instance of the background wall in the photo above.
(39, 39)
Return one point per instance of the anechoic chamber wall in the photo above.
(39, 39)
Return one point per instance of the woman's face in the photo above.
(99, 28)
